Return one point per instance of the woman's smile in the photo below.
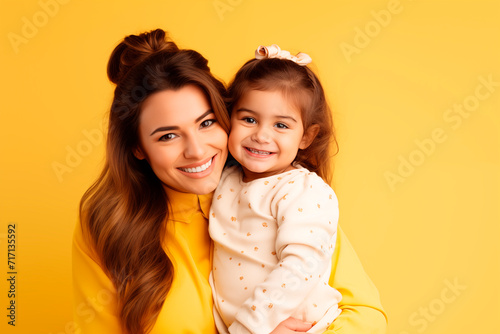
(198, 170)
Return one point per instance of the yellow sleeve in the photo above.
(362, 311)
(94, 303)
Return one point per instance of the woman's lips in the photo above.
(199, 169)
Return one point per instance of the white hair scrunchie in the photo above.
(274, 51)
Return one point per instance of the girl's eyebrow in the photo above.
(245, 109)
(277, 116)
(169, 128)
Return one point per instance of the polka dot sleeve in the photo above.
(306, 211)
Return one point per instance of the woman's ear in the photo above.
(138, 153)
(309, 136)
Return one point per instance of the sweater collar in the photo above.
(183, 206)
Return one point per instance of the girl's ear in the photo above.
(138, 153)
(309, 136)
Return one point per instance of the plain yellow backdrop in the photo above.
(415, 89)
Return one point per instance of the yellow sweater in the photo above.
(188, 306)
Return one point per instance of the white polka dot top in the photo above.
(273, 242)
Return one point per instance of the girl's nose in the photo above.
(261, 135)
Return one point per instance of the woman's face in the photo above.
(182, 140)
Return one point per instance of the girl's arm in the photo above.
(306, 214)
(94, 303)
(362, 311)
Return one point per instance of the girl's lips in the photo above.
(258, 153)
(200, 169)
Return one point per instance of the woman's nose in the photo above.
(195, 147)
(261, 135)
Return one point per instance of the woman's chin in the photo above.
(207, 188)
(199, 187)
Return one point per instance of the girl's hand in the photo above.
(292, 325)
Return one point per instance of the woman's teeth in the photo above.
(257, 151)
(197, 169)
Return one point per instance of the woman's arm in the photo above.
(362, 311)
(94, 303)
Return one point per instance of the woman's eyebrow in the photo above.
(205, 114)
(169, 128)
(164, 128)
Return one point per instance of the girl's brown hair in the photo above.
(301, 87)
(123, 214)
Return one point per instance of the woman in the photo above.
(141, 255)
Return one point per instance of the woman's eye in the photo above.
(250, 120)
(281, 126)
(207, 123)
(167, 137)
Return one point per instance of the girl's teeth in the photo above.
(257, 151)
(197, 169)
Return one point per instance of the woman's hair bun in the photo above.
(134, 49)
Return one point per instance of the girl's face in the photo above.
(266, 134)
(182, 140)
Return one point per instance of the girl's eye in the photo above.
(167, 137)
(207, 123)
(250, 120)
(281, 126)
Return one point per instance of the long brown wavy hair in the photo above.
(300, 86)
(123, 214)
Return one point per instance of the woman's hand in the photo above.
(292, 325)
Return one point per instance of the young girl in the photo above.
(274, 217)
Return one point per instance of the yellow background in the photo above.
(436, 225)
